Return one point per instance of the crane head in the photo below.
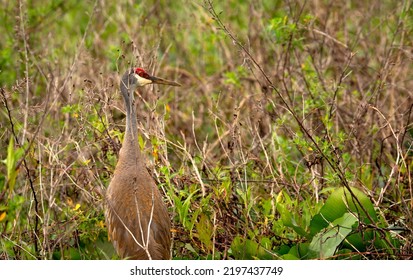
(144, 78)
(137, 77)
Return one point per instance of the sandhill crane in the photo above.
(136, 216)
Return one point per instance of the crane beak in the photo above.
(161, 81)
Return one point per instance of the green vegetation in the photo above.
(291, 137)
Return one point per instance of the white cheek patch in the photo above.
(142, 81)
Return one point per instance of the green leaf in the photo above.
(13, 156)
(205, 230)
(289, 257)
(247, 249)
(299, 251)
(10, 158)
(339, 203)
(183, 209)
(325, 243)
(287, 218)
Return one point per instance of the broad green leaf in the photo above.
(339, 203)
(300, 251)
(325, 243)
(289, 257)
(248, 249)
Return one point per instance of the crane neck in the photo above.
(130, 146)
(131, 122)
